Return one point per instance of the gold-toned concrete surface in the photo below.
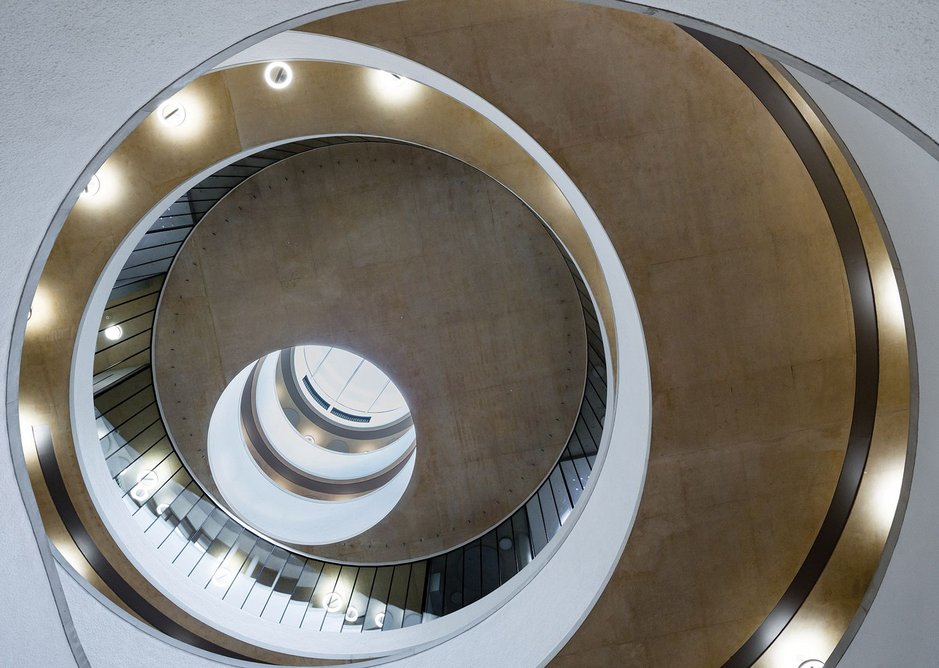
(739, 283)
(428, 268)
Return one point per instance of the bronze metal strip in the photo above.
(867, 367)
(42, 435)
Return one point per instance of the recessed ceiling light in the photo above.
(278, 74)
(146, 480)
(113, 333)
(390, 79)
(505, 543)
(352, 614)
(94, 185)
(334, 602)
(171, 113)
(393, 87)
(160, 509)
(380, 619)
(812, 663)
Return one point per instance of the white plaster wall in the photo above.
(886, 49)
(74, 72)
(28, 610)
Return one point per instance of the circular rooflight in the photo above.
(347, 388)
(171, 113)
(113, 333)
(342, 482)
(278, 74)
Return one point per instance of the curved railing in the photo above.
(234, 563)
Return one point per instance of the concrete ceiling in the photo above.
(94, 109)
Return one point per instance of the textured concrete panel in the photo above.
(425, 266)
(739, 283)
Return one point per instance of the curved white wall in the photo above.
(74, 73)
